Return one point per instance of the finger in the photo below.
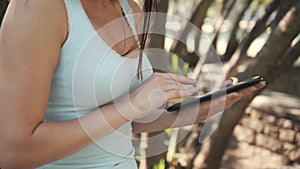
(227, 83)
(251, 89)
(179, 79)
(260, 85)
(232, 98)
(176, 94)
(179, 86)
(247, 91)
(222, 103)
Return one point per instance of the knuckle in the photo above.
(173, 95)
(155, 76)
(178, 93)
(156, 79)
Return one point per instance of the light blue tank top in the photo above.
(90, 74)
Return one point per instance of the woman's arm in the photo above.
(31, 36)
(161, 119)
(30, 40)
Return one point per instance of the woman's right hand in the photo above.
(157, 90)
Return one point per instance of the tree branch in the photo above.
(267, 60)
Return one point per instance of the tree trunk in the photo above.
(197, 19)
(233, 42)
(159, 60)
(157, 41)
(260, 26)
(287, 60)
(268, 59)
(219, 22)
(189, 147)
(282, 10)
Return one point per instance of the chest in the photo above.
(102, 76)
(108, 20)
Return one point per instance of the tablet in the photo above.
(217, 93)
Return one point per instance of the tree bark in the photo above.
(225, 11)
(233, 42)
(159, 61)
(241, 53)
(267, 60)
(260, 25)
(282, 10)
(157, 41)
(196, 19)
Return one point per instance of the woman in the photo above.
(47, 119)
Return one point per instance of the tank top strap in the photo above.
(130, 18)
(80, 29)
(73, 13)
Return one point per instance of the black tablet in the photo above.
(217, 93)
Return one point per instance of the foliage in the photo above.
(160, 165)
(176, 66)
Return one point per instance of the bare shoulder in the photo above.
(136, 9)
(50, 7)
(44, 13)
(31, 36)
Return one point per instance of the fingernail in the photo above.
(263, 84)
(193, 80)
(234, 95)
(228, 82)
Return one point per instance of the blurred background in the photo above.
(249, 37)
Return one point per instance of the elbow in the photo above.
(136, 129)
(10, 158)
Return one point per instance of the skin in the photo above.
(27, 63)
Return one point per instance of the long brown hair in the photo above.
(3, 7)
(149, 6)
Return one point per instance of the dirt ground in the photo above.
(244, 156)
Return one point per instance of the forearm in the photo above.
(188, 116)
(192, 114)
(51, 141)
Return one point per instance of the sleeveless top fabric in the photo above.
(90, 74)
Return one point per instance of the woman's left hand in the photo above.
(234, 97)
(161, 119)
(209, 108)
